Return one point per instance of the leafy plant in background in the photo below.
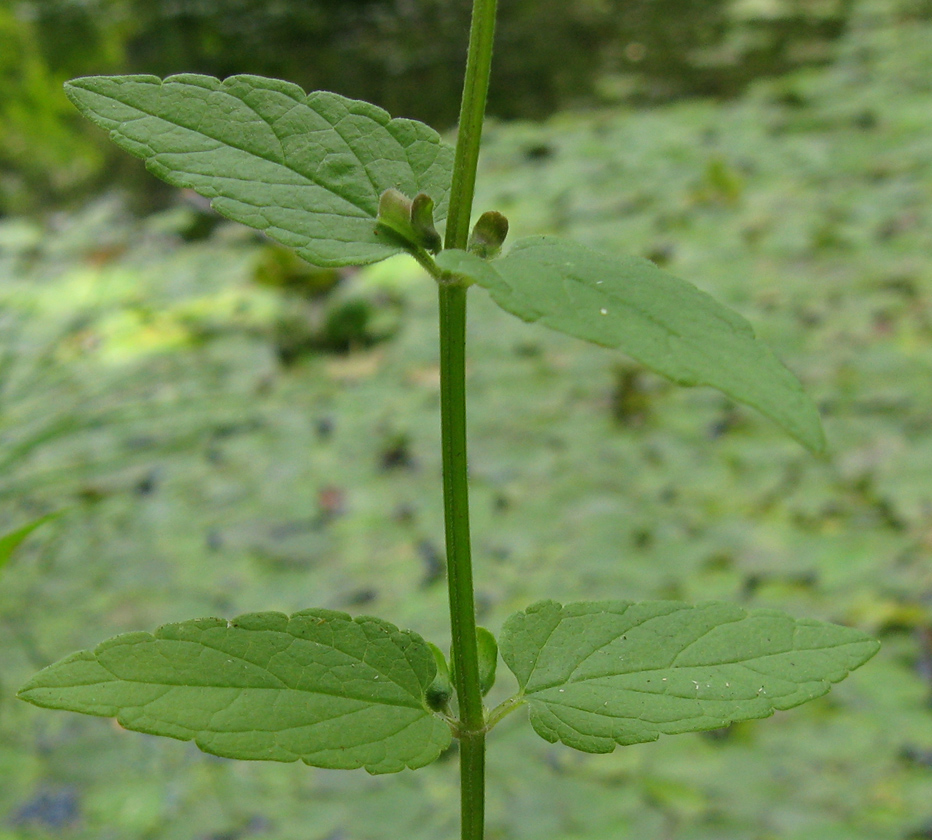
(343, 184)
(39, 154)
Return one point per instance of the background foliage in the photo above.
(230, 431)
(405, 55)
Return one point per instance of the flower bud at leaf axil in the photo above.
(422, 220)
(488, 235)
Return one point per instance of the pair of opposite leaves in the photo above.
(342, 692)
(309, 170)
(335, 691)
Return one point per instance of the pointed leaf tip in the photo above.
(663, 322)
(600, 674)
(318, 686)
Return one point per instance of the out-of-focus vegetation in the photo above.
(406, 55)
(231, 430)
(12, 540)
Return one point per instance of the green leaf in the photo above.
(665, 323)
(597, 674)
(308, 169)
(11, 541)
(318, 686)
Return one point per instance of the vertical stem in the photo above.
(453, 429)
(472, 113)
(456, 504)
(459, 563)
(472, 786)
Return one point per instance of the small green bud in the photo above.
(411, 221)
(488, 654)
(395, 214)
(441, 689)
(488, 660)
(488, 235)
(422, 220)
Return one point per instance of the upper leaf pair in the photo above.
(310, 171)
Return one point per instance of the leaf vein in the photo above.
(236, 147)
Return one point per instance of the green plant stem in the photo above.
(472, 113)
(472, 785)
(471, 724)
(459, 563)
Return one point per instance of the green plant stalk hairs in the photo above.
(342, 183)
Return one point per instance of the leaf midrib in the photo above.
(168, 686)
(227, 144)
(728, 331)
(418, 702)
(746, 662)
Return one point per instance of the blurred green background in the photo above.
(229, 430)
(405, 55)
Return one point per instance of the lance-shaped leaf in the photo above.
(597, 674)
(308, 169)
(665, 323)
(318, 686)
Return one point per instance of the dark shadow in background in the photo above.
(405, 55)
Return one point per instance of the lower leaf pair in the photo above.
(342, 692)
